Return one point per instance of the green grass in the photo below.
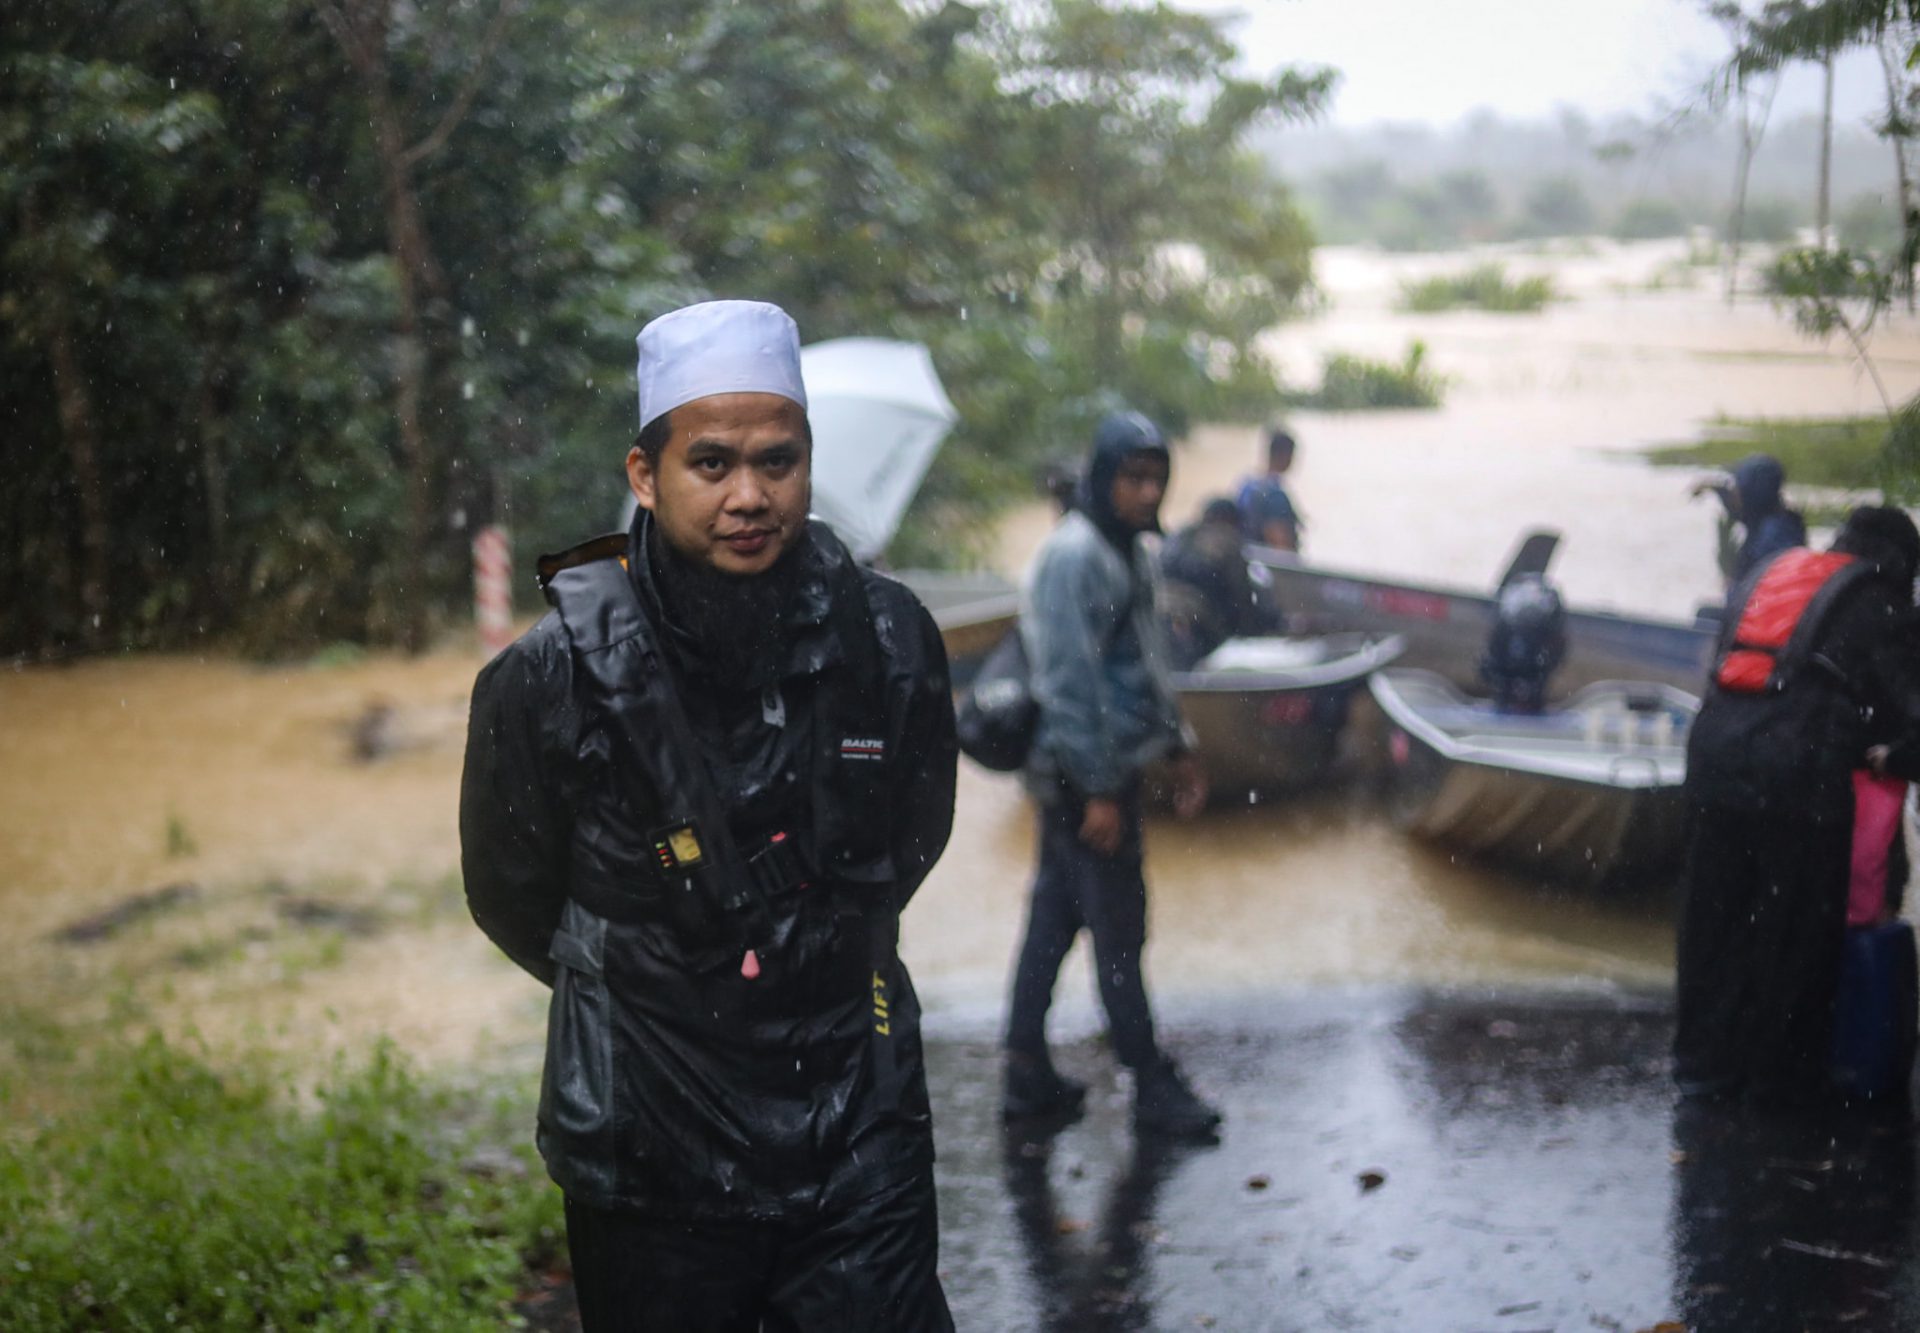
(1845, 453)
(1357, 384)
(167, 1193)
(1482, 287)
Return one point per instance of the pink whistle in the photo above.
(750, 965)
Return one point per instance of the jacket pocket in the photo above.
(576, 1088)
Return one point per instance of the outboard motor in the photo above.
(1528, 643)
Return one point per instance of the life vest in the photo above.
(1778, 618)
(652, 844)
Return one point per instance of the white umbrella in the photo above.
(878, 413)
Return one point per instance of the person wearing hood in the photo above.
(1107, 710)
(1816, 677)
(1208, 589)
(1752, 497)
(697, 796)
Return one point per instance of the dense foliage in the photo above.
(294, 296)
(175, 1195)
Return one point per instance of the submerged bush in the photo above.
(173, 1195)
(1355, 383)
(1483, 286)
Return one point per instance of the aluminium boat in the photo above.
(1588, 791)
(1268, 714)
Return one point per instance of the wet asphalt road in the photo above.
(1505, 1161)
(1493, 1161)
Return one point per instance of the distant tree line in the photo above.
(1369, 200)
(294, 295)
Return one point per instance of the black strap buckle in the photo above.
(777, 867)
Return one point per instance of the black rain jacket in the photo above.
(600, 766)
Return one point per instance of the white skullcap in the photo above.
(718, 347)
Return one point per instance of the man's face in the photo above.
(1139, 486)
(732, 487)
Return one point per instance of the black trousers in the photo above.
(872, 1269)
(1076, 888)
(1759, 954)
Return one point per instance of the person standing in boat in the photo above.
(1267, 513)
(1816, 662)
(1107, 710)
(1751, 497)
(1209, 591)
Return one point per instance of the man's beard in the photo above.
(735, 622)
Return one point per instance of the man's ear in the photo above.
(640, 476)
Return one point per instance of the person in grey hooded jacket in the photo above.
(1107, 710)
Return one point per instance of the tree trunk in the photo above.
(1823, 227)
(213, 483)
(83, 450)
(1737, 218)
(1899, 135)
(413, 269)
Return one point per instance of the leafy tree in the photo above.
(1832, 291)
(1751, 93)
(91, 145)
(294, 296)
(1793, 30)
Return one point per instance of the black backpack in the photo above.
(997, 716)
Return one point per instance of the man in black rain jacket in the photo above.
(697, 796)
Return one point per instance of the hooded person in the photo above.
(1208, 589)
(1098, 654)
(1816, 669)
(697, 796)
(1753, 497)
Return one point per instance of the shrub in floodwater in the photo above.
(1355, 384)
(172, 1195)
(180, 839)
(1483, 287)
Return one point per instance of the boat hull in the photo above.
(1621, 821)
(1273, 732)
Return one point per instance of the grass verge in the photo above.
(1845, 453)
(167, 1193)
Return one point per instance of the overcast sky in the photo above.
(1437, 60)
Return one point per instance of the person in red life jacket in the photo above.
(1815, 664)
(697, 796)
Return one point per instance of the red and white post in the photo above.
(493, 588)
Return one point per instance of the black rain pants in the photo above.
(871, 1269)
(1076, 888)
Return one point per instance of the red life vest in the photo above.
(1779, 615)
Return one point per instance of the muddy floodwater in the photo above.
(318, 891)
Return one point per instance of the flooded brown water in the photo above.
(270, 814)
